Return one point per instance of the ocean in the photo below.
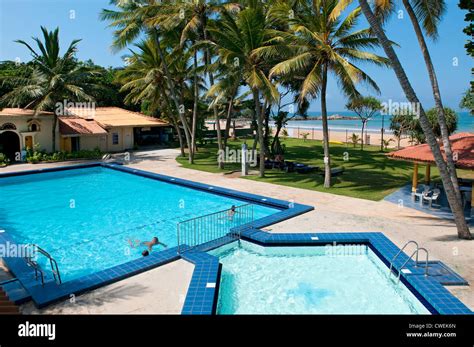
(465, 123)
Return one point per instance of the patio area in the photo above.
(404, 197)
(430, 197)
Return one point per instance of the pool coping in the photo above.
(51, 292)
(433, 295)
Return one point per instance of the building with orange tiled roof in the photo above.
(111, 129)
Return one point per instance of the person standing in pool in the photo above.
(231, 212)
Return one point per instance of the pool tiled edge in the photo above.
(431, 293)
(203, 290)
(51, 292)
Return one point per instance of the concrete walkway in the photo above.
(161, 290)
(333, 213)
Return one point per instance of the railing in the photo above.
(227, 223)
(415, 253)
(37, 269)
(35, 249)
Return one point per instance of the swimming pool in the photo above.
(308, 280)
(85, 217)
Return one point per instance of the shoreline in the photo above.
(371, 138)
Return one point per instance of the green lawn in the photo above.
(369, 174)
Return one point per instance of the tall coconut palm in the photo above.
(317, 43)
(193, 16)
(236, 36)
(429, 13)
(54, 78)
(130, 20)
(425, 16)
(143, 79)
(454, 202)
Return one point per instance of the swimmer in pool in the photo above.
(149, 244)
(154, 242)
(231, 212)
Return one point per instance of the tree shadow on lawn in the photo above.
(363, 181)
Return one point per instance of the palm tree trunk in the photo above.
(437, 97)
(207, 62)
(172, 91)
(173, 119)
(53, 137)
(180, 138)
(455, 204)
(324, 117)
(228, 119)
(258, 111)
(362, 136)
(195, 111)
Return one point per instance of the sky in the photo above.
(79, 19)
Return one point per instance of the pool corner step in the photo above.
(6, 306)
(15, 291)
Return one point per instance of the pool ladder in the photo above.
(415, 253)
(37, 268)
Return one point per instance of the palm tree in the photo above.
(225, 94)
(143, 79)
(54, 78)
(194, 17)
(131, 20)
(236, 37)
(426, 16)
(319, 42)
(454, 202)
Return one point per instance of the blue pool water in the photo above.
(308, 280)
(85, 217)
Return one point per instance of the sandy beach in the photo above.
(343, 136)
(336, 135)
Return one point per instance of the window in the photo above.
(115, 138)
(33, 125)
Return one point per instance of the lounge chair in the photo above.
(334, 172)
(303, 169)
(431, 196)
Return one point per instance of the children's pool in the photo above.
(308, 280)
(85, 217)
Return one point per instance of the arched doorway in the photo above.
(10, 144)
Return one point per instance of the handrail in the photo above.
(415, 253)
(400, 252)
(37, 269)
(416, 263)
(426, 260)
(52, 262)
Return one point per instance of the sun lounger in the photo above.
(334, 172)
(304, 169)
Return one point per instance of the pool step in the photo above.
(6, 306)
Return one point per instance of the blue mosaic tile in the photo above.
(52, 292)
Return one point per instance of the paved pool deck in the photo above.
(333, 213)
(161, 290)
